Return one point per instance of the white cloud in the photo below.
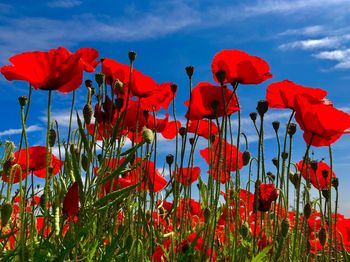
(9, 132)
(326, 42)
(306, 31)
(64, 3)
(342, 56)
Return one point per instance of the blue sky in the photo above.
(307, 42)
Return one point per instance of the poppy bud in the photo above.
(169, 159)
(23, 100)
(173, 88)
(325, 193)
(271, 176)
(147, 135)
(244, 230)
(215, 105)
(262, 107)
(119, 102)
(118, 86)
(292, 128)
(275, 161)
(6, 211)
(220, 76)
(246, 158)
(132, 56)
(253, 116)
(276, 125)
(285, 227)
(88, 83)
(207, 214)
(191, 140)
(325, 173)
(335, 182)
(182, 131)
(284, 155)
(322, 236)
(52, 137)
(100, 78)
(307, 210)
(84, 162)
(314, 165)
(189, 71)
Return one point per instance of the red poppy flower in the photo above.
(71, 201)
(240, 67)
(206, 97)
(281, 94)
(322, 174)
(141, 85)
(36, 163)
(321, 122)
(188, 175)
(246, 198)
(57, 69)
(267, 194)
(203, 128)
(40, 227)
(160, 98)
(229, 154)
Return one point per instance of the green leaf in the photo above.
(115, 194)
(262, 255)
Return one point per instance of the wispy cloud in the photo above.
(17, 131)
(305, 31)
(309, 44)
(64, 3)
(341, 56)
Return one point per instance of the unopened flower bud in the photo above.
(189, 71)
(147, 135)
(87, 113)
(119, 102)
(173, 88)
(182, 131)
(253, 116)
(52, 137)
(276, 125)
(220, 76)
(22, 100)
(246, 158)
(262, 107)
(244, 230)
(100, 78)
(85, 162)
(285, 227)
(307, 210)
(335, 182)
(275, 161)
(322, 236)
(88, 83)
(132, 56)
(292, 128)
(6, 211)
(169, 159)
(118, 86)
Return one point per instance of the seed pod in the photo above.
(335, 182)
(322, 236)
(84, 162)
(147, 135)
(284, 155)
(132, 56)
(276, 125)
(169, 159)
(6, 211)
(100, 78)
(189, 71)
(307, 210)
(325, 193)
(52, 137)
(271, 176)
(23, 100)
(191, 140)
(253, 116)
(285, 227)
(246, 158)
(87, 113)
(262, 107)
(118, 86)
(292, 128)
(275, 161)
(173, 88)
(182, 131)
(88, 83)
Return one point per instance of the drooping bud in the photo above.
(87, 113)
(276, 125)
(132, 56)
(118, 86)
(292, 128)
(147, 135)
(275, 161)
(182, 131)
(88, 83)
(52, 137)
(325, 193)
(262, 107)
(220, 76)
(307, 210)
(253, 116)
(335, 182)
(284, 155)
(173, 88)
(285, 227)
(322, 236)
(84, 162)
(169, 159)
(100, 78)
(23, 100)
(246, 158)
(6, 211)
(189, 71)
(271, 176)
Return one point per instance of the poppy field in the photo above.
(105, 198)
